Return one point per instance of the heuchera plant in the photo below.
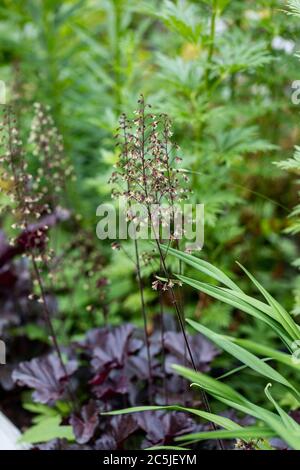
(108, 369)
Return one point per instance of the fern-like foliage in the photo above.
(238, 53)
(293, 7)
(293, 165)
(180, 17)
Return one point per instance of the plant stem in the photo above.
(141, 289)
(140, 282)
(162, 330)
(49, 324)
(182, 327)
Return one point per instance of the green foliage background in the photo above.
(223, 71)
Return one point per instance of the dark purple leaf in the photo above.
(161, 428)
(106, 442)
(122, 427)
(61, 444)
(177, 424)
(95, 337)
(278, 444)
(117, 385)
(99, 378)
(84, 426)
(46, 376)
(116, 432)
(244, 420)
(150, 422)
(113, 347)
(203, 351)
(177, 391)
(138, 367)
(295, 414)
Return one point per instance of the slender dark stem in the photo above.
(140, 150)
(181, 303)
(182, 327)
(162, 330)
(49, 324)
(163, 264)
(175, 303)
(141, 289)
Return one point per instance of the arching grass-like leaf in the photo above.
(240, 300)
(246, 433)
(288, 421)
(284, 317)
(263, 350)
(243, 355)
(219, 420)
(203, 266)
(230, 397)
